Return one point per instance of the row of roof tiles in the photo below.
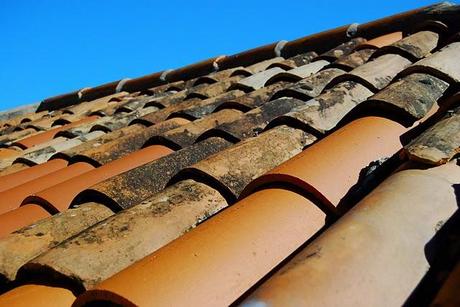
(262, 142)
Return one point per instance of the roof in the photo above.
(319, 171)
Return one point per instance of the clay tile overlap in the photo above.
(376, 139)
(379, 245)
(302, 172)
(442, 64)
(25, 244)
(129, 235)
(439, 143)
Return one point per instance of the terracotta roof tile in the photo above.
(375, 74)
(23, 245)
(58, 197)
(374, 138)
(133, 186)
(441, 64)
(233, 168)
(254, 121)
(324, 112)
(37, 295)
(380, 245)
(439, 143)
(239, 165)
(204, 255)
(127, 236)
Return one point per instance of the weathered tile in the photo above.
(298, 73)
(140, 183)
(375, 74)
(210, 106)
(442, 64)
(353, 60)
(382, 40)
(293, 62)
(342, 49)
(233, 168)
(129, 141)
(108, 137)
(439, 143)
(324, 112)
(254, 121)
(311, 86)
(409, 98)
(127, 236)
(414, 47)
(27, 243)
(257, 80)
(44, 154)
(349, 152)
(187, 134)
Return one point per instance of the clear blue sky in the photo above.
(51, 47)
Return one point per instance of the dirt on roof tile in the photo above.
(438, 144)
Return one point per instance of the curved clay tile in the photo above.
(95, 105)
(253, 122)
(220, 259)
(378, 248)
(187, 134)
(249, 57)
(319, 41)
(324, 112)
(298, 73)
(255, 98)
(13, 168)
(309, 87)
(349, 150)
(442, 64)
(9, 138)
(375, 74)
(205, 108)
(23, 245)
(48, 135)
(353, 60)
(414, 47)
(12, 198)
(233, 168)
(144, 82)
(127, 236)
(382, 41)
(438, 144)
(104, 139)
(257, 80)
(20, 177)
(59, 196)
(342, 49)
(6, 153)
(133, 186)
(21, 217)
(410, 98)
(192, 71)
(302, 58)
(37, 295)
(114, 147)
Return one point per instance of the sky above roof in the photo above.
(52, 47)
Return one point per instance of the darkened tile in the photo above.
(138, 184)
(438, 144)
